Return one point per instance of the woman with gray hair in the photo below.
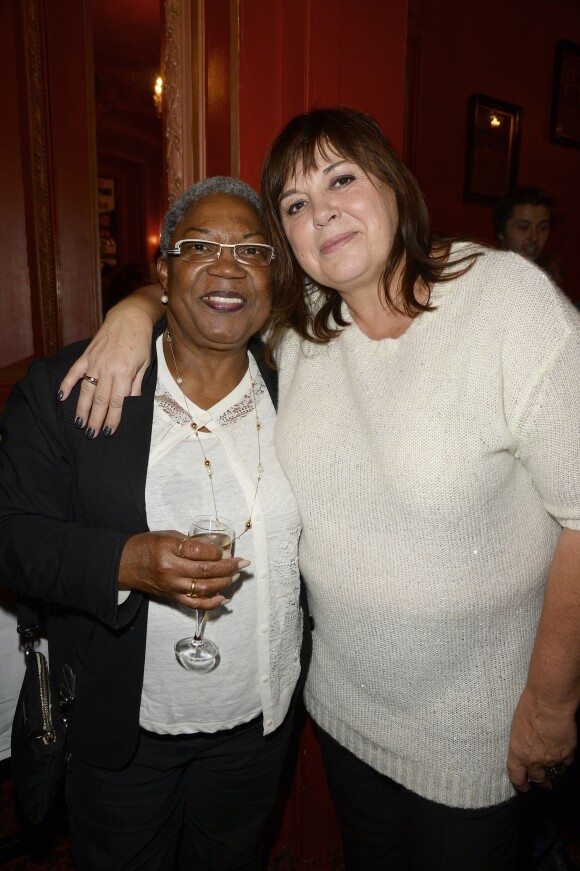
(171, 766)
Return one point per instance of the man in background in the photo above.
(522, 221)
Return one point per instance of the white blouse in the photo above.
(259, 632)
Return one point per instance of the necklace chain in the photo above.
(206, 462)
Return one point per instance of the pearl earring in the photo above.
(164, 298)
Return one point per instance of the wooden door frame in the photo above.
(188, 108)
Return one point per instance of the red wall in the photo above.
(73, 150)
(16, 332)
(218, 87)
(503, 49)
(48, 206)
(300, 54)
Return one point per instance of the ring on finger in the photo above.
(180, 550)
(191, 593)
(90, 379)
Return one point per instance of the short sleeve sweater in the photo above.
(433, 473)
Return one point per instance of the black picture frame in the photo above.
(493, 147)
(565, 115)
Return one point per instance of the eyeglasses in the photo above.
(202, 251)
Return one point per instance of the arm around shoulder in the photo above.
(116, 359)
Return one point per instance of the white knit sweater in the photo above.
(433, 473)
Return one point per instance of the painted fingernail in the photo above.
(235, 577)
(60, 394)
(90, 433)
(226, 601)
(107, 431)
(244, 563)
(79, 422)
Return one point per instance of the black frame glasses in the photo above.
(204, 251)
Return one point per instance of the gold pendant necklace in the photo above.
(206, 462)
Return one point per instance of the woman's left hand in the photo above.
(116, 360)
(544, 733)
(542, 736)
(171, 565)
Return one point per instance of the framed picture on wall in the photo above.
(493, 144)
(565, 119)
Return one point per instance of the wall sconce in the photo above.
(158, 94)
(494, 121)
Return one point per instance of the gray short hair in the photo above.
(218, 184)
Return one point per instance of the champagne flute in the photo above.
(196, 652)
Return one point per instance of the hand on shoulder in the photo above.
(114, 363)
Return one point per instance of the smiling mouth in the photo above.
(336, 242)
(531, 250)
(224, 301)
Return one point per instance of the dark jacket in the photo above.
(68, 505)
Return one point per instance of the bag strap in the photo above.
(29, 620)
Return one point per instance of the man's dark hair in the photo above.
(520, 197)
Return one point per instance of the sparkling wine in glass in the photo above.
(197, 653)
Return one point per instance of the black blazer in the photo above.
(68, 505)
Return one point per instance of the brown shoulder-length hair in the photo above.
(420, 257)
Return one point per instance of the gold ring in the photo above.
(191, 593)
(180, 551)
(90, 379)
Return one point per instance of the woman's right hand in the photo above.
(117, 358)
(166, 563)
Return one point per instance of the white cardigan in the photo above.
(433, 473)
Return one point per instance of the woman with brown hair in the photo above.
(428, 424)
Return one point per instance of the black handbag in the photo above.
(39, 746)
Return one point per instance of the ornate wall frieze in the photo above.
(173, 98)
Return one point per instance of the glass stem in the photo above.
(199, 624)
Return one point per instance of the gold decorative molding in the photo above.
(184, 75)
(173, 99)
(184, 94)
(235, 87)
(194, 80)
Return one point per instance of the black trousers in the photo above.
(385, 827)
(193, 802)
